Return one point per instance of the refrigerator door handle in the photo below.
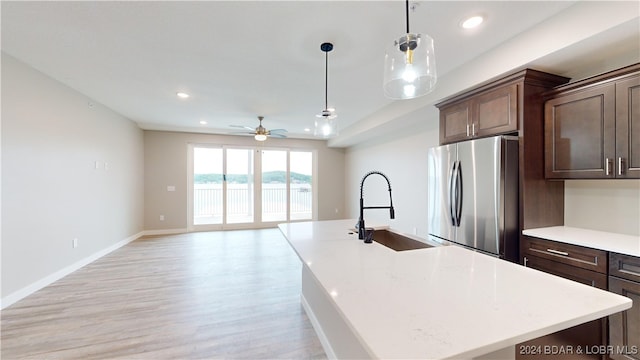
(458, 194)
(451, 193)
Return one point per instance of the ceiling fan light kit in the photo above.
(326, 125)
(409, 65)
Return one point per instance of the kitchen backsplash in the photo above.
(605, 205)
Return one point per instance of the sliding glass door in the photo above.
(239, 186)
(274, 185)
(234, 187)
(207, 190)
(301, 180)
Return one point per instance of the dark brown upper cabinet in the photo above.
(628, 127)
(492, 108)
(495, 112)
(592, 127)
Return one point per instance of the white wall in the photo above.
(605, 205)
(52, 192)
(401, 154)
(166, 164)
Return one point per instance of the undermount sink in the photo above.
(397, 242)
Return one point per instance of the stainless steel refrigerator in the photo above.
(473, 195)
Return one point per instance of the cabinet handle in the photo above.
(558, 252)
(620, 168)
(607, 169)
(473, 129)
(525, 261)
(467, 129)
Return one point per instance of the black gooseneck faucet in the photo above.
(392, 212)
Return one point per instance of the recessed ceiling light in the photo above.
(307, 129)
(202, 122)
(472, 22)
(182, 95)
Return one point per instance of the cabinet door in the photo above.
(624, 327)
(496, 112)
(628, 128)
(455, 122)
(580, 134)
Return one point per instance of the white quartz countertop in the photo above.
(619, 243)
(440, 302)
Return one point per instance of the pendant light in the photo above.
(409, 65)
(326, 125)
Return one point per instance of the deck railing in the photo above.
(207, 200)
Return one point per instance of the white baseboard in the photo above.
(326, 345)
(164, 232)
(47, 280)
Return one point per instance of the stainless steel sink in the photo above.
(397, 242)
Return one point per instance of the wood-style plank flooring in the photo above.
(208, 295)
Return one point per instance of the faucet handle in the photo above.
(368, 235)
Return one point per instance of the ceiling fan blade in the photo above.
(241, 133)
(279, 130)
(278, 135)
(243, 127)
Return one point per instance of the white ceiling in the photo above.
(241, 59)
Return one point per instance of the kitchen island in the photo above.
(369, 301)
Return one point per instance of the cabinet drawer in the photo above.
(570, 272)
(624, 266)
(578, 256)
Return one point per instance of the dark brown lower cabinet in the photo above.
(559, 259)
(624, 327)
(584, 336)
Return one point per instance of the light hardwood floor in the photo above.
(209, 295)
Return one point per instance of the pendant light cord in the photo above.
(326, 79)
(326, 47)
(407, 8)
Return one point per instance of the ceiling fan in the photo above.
(261, 133)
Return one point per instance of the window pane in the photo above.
(274, 185)
(240, 186)
(207, 186)
(301, 198)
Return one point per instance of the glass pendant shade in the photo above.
(326, 127)
(410, 67)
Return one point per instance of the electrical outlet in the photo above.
(161, 217)
(74, 243)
